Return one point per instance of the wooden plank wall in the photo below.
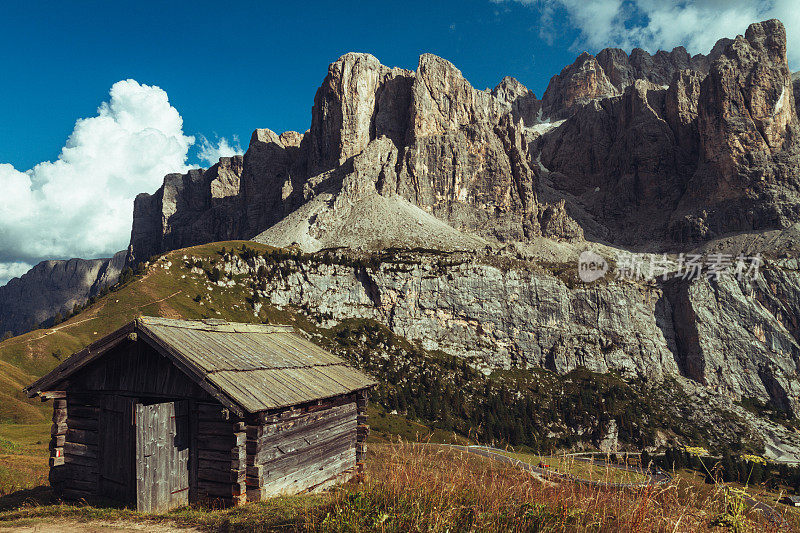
(298, 449)
(162, 456)
(131, 370)
(117, 443)
(221, 454)
(79, 475)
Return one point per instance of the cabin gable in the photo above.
(135, 368)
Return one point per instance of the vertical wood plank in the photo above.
(162, 456)
(142, 503)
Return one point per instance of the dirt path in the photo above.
(71, 526)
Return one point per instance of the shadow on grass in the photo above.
(28, 506)
(42, 495)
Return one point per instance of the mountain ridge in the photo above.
(629, 153)
(53, 288)
(415, 345)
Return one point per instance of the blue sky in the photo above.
(230, 70)
(100, 99)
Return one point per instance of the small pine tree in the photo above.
(728, 467)
(125, 276)
(756, 474)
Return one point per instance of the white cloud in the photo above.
(81, 204)
(659, 25)
(210, 152)
(12, 270)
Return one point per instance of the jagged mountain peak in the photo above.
(608, 72)
(628, 156)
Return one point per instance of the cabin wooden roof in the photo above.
(247, 367)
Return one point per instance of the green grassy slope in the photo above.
(158, 292)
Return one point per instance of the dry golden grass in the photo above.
(413, 487)
(431, 488)
(23, 456)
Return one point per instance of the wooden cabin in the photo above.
(165, 412)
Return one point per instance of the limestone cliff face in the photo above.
(435, 142)
(626, 159)
(518, 99)
(613, 70)
(796, 89)
(749, 140)
(576, 85)
(464, 160)
(704, 156)
(648, 151)
(53, 287)
(735, 339)
(196, 207)
(359, 100)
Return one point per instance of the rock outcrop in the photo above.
(425, 138)
(652, 151)
(519, 100)
(735, 338)
(576, 85)
(749, 141)
(625, 158)
(796, 89)
(54, 287)
(612, 70)
(704, 156)
(464, 160)
(196, 207)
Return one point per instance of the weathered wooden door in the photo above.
(162, 456)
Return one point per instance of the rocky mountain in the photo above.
(715, 344)
(612, 70)
(700, 158)
(655, 151)
(54, 287)
(404, 142)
